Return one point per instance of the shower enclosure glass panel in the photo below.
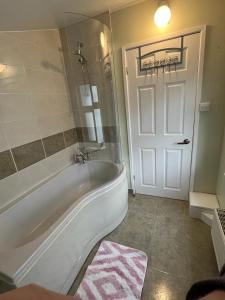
(87, 50)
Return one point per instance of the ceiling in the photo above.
(49, 14)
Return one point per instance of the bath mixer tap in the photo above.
(81, 157)
(85, 152)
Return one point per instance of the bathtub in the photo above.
(46, 237)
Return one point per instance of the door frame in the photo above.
(198, 29)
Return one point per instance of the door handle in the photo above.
(185, 142)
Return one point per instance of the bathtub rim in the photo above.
(41, 244)
(109, 184)
(16, 200)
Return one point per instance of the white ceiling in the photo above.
(48, 14)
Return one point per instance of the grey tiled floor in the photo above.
(179, 248)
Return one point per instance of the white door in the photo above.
(161, 108)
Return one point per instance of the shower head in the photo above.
(77, 52)
(80, 45)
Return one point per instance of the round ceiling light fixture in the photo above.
(162, 15)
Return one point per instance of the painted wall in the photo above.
(221, 178)
(36, 120)
(135, 24)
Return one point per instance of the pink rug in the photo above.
(116, 272)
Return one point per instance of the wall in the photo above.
(36, 123)
(135, 24)
(221, 178)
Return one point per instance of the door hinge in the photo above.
(127, 70)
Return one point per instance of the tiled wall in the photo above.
(21, 157)
(36, 120)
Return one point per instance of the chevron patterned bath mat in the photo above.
(116, 272)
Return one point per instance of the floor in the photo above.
(179, 248)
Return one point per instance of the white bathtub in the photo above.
(46, 237)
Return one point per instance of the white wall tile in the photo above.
(59, 82)
(21, 132)
(42, 105)
(50, 125)
(44, 38)
(15, 107)
(47, 38)
(9, 52)
(60, 103)
(67, 121)
(41, 81)
(13, 79)
(37, 57)
(3, 141)
(79, 120)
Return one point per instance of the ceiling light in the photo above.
(162, 16)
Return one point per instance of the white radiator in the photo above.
(218, 236)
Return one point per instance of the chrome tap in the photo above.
(81, 157)
(84, 153)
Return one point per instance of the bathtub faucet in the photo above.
(81, 157)
(85, 152)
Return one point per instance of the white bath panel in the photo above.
(47, 235)
(202, 205)
(218, 236)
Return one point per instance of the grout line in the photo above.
(64, 139)
(43, 147)
(13, 160)
(77, 141)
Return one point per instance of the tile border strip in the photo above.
(18, 158)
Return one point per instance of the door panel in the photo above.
(161, 113)
(174, 108)
(173, 169)
(146, 97)
(148, 157)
